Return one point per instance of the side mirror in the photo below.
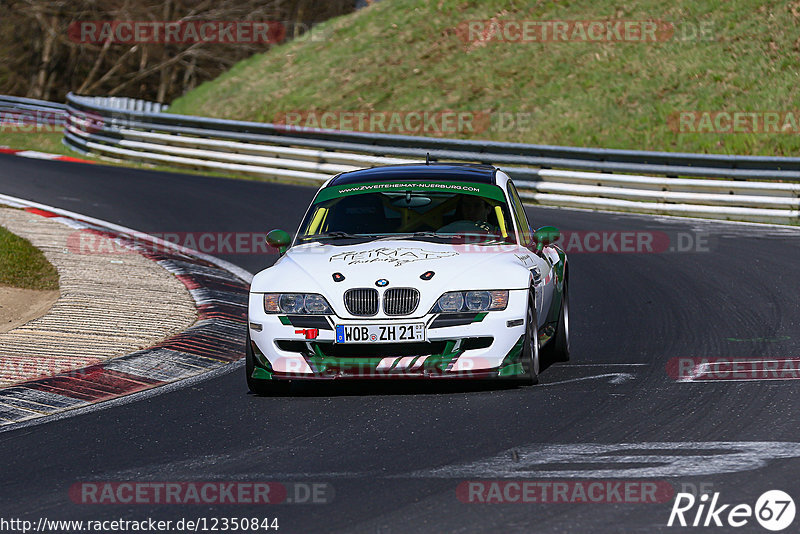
(546, 235)
(279, 239)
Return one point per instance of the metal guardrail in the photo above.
(605, 160)
(123, 103)
(545, 175)
(18, 112)
(722, 187)
(27, 111)
(31, 103)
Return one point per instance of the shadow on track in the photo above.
(358, 388)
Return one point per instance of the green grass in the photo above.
(406, 55)
(43, 142)
(24, 266)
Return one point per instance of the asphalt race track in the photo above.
(393, 456)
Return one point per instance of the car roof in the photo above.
(451, 172)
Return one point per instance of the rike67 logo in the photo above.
(774, 510)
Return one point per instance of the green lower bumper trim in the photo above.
(261, 374)
(511, 370)
(262, 368)
(512, 365)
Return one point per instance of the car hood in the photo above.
(310, 268)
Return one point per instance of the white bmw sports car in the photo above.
(410, 271)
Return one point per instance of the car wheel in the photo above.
(530, 347)
(557, 350)
(261, 387)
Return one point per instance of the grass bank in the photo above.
(24, 266)
(420, 56)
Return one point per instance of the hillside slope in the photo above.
(420, 56)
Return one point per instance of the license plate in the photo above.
(380, 333)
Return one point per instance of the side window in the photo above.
(523, 227)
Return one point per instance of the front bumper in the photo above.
(470, 345)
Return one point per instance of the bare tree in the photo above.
(44, 55)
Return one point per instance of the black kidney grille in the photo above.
(400, 301)
(362, 301)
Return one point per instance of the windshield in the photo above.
(418, 213)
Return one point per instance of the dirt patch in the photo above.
(19, 306)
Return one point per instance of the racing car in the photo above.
(428, 271)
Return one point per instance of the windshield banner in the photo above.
(483, 190)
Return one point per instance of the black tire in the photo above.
(261, 387)
(530, 347)
(557, 349)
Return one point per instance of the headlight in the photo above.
(477, 300)
(451, 302)
(316, 304)
(291, 303)
(471, 301)
(296, 303)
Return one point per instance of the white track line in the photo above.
(616, 378)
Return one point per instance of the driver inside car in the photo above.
(472, 216)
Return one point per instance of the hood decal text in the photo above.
(397, 256)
